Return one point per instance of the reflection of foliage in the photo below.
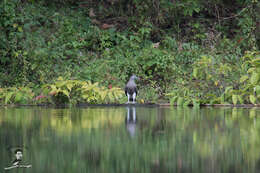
(95, 139)
(92, 119)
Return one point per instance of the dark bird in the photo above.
(131, 90)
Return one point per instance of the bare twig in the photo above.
(236, 15)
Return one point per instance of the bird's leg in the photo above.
(128, 98)
(134, 96)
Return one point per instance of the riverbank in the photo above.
(67, 52)
(130, 105)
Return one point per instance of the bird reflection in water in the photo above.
(131, 120)
(18, 159)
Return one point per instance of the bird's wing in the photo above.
(130, 88)
(135, 90)
(126, 91)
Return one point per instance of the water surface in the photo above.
(131, 139)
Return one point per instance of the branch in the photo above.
(236, 15)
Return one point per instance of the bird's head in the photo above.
(134, 77)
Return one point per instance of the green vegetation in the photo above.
(62, 91)
(185, 52)
(74, 91)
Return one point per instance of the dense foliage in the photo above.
(189, 52)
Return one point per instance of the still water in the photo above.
(131, 139)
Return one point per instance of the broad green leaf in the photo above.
(254, 78)
(20, 29)
(186, 103)
(60, 78)
(243, 78)
(103, 95)
(8, 97)
(173, 100)
(256, 62)
(60, 84)
(195, 72)
(69, 86)
(195, 103)
(228, 89)
(234, 99)
(250, 70)
(240, 99)
(18, 97)
(65, 92)
(180, 101)
(34, 66)
(257, 90)
(84, 96)
(252, 99)
(247, 87)
(53, 88)
(45, 91)
(222, 98)
(110, 96)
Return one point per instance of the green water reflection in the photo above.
(104, 140)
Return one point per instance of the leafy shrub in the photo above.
(248, 89)
(22, 95)
(184, 97)
(75, 91)
(149, 94)
(215, 81)
(251, 80)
